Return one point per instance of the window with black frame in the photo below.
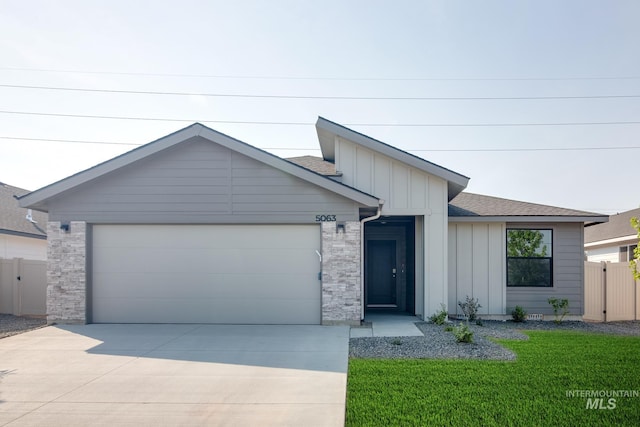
(529, 257)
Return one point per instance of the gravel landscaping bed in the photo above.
(440, 344)
(13, 325)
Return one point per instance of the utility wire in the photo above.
(76, 141)
(317, 149)
(336, 78)
(31, 113)
(350, 98)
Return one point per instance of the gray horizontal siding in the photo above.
(200, 182)
(568, 272)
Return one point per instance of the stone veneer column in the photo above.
(66, 273)
(341, 293)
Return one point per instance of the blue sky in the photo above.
(370, 49)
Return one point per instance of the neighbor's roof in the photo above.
(469, 207)
(619, 225)
(328, 130)
(316, 164)
(13, 218)
(39, 198)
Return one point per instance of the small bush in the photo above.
(463, 333)
(449, 328)
(470, 308)
(439, 317)
(479, 322)
(519, 314)
(560, 308)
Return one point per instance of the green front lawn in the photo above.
(531, 391)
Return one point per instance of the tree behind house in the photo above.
(633, 263)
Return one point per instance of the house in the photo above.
(198, 227)
(613, 241)
(22, 231)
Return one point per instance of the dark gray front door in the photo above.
(381, 273)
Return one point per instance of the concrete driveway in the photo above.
(174, 375)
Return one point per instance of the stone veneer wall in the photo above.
(66, 273)
(341, 292)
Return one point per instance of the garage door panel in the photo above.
(150, 285)
(206, 274)
(199, 237)
(239, 311)
(218, 260)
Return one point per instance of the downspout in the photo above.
(362, 222)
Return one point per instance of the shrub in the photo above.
(463, 333)
(470, 308)
(560, 308)
(479, 322)
(439, 317)
(519, 314)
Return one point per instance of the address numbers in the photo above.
(325, 218)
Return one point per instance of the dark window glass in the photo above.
(529, 257)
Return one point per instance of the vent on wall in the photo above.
(534, 316)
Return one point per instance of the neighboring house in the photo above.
(198, 227)
(22, 231)
(613, 241)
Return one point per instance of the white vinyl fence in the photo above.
(23, 287)
(610, 292)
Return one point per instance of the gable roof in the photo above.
(13, 218)
(328, 130)
(470, 207)
(618, 226)
(39, 198)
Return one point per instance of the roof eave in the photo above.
(613, 240)
(292, 168)
(24, 234)
(529, 218)
(37, 199)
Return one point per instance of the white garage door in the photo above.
(206, 274)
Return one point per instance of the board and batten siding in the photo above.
(406, 191)
(199, 181)
(477, 266)
(568, 272)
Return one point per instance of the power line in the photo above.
(317, 149)
(348, 98)
(336, 78)
(77, 141)
(246, 122)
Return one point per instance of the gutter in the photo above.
(362, 222)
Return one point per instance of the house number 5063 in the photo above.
(325, 218)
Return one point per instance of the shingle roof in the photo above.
(316, 164)
(618, 226)
(477, 205)
(13, 218)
